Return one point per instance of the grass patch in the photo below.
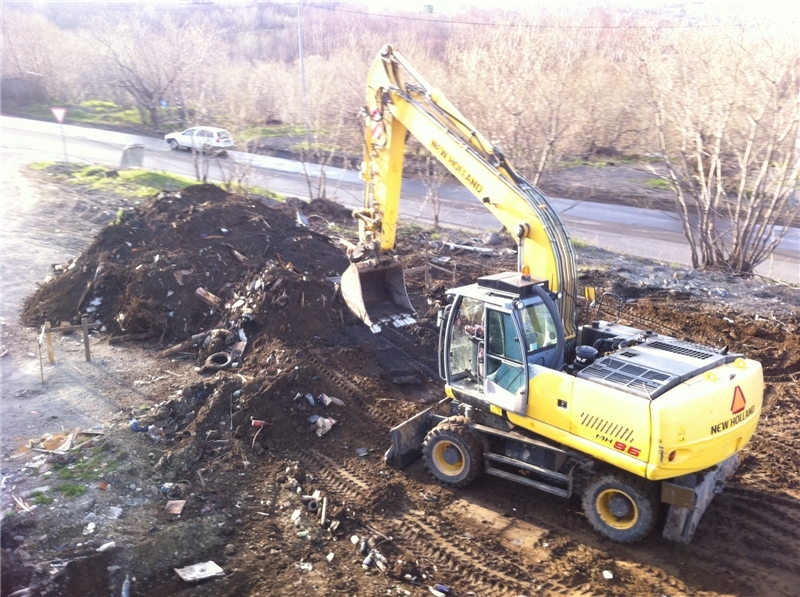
(41, 499)
(129, 183)
(89, 469)
(278, 130)
(71, 490)
(579, 244)
(659, 184)
(91, 112)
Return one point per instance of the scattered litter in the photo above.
(174, 506)
(306, 566)
(330, 557)
(259, 423)
(607, 575)
(313, 419)
(327, 400)
(310, 399)
(135, 427)
(89, 529)
(114, 512)
(201, 571)
(295, 515)
(362, 452)
(156, 434)
(324, 425)
(106, 546)
(354, 539)
(126, 587)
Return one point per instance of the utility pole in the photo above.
(303, 71)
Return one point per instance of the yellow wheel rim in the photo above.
(448, 458)
(617, 509)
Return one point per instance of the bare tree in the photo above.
(147, 59)
(727, 121)
(433, 176)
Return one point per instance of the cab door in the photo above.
(464, 347)
(505, 373)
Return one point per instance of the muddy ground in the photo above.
(244, 484)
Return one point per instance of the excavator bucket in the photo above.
(377, 294)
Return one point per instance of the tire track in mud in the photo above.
(772, 518)
(352, 389)
(398, 336)
(505, 573)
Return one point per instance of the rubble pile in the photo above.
(173, 266)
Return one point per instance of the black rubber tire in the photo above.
(174, 144)
(636, 496)
(453, 438)
(218, 360)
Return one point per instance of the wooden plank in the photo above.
(208, 298)
(73, 328)
(85, 293)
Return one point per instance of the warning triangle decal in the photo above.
(739, 401)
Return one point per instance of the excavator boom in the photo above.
(400, 101)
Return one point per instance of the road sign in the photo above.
(59, 113)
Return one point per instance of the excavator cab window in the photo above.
(466, 344)
(504, 362)
(539, 327)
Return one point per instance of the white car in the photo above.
(207, 139)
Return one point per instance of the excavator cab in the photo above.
(492, 334)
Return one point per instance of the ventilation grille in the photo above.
(607, 428)
(633, 378)
(685, 349)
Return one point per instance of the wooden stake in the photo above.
(87, 350)
(51, 355)
(41, 367)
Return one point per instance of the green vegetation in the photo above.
(129, 183)
(41, 499)
(71, 490)
(91, 468)
(90, 112)
(280, 130)
(659, 184)
(580, 244)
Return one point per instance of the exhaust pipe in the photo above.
(376, 293)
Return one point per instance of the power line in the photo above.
(526, 26)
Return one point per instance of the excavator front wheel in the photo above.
(453, 453)
(621, 508)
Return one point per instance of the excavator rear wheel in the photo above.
(620, 507)
(453, 453)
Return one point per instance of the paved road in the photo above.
(636, 231)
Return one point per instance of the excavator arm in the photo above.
(401, 102)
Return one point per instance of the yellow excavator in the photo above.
(632, 419)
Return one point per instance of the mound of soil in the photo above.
(141, 274)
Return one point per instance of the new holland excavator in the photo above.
(634, 419)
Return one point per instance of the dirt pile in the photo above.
(141, 274)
